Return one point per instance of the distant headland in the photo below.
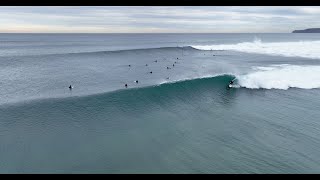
(311, 30)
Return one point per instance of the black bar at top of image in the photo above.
(159, 2)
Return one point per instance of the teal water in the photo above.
(191, 123)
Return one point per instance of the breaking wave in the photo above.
(305, 49)
(281, 77)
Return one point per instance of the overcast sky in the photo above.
(157, 19)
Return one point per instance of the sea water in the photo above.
(181, 118)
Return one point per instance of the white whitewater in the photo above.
(305, 49)
(281, 77)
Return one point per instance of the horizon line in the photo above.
(146, 33)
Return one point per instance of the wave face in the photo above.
(305, 49)
(282, 77)
(182, 87)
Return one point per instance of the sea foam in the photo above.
(305, 49)
(281, 77)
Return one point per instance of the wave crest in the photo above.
(305, 49)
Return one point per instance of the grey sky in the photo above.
(158, 19)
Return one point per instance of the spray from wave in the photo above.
(281, 77)
(305, 49)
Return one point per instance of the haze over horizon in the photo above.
(159, 19)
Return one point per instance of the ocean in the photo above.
(181, 118)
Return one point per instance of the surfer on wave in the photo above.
(230, 84)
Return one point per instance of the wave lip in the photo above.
(305, 49)
(282, 77)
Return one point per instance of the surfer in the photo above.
(230, 84)
(136, 81)
(168, 67)
(150, 72)
(70, 87)
(129, 65)
(172, 64)
(167, 78)
(126, 85)
(156, 61)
